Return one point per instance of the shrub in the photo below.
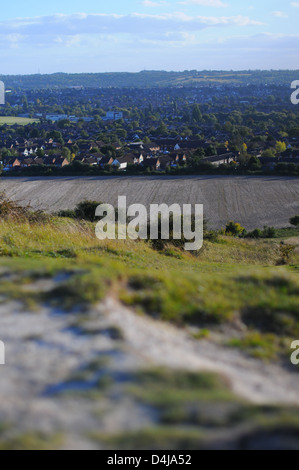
(295, 221)
(268, 232)
(67, 213)
(211, 236)
(235, 229)
(254, 164)
(286, 252)
(256, 234)
(160, 244)
(11, 210)
(86, 210)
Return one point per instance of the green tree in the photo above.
(280, 147)
(254, 163)
(25, 103)
(122, 133)
(55, 135)
(210, 151)
(66, 153)
(40, 153)
(269, 153)
(34, 133)
(75, 149)
(63, 123)
(196, 113)
(199, 153)
(244, 148)
(162, 129)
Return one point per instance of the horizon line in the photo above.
(150, 71)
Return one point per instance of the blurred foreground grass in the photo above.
(234, 292)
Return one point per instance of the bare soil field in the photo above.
(251, 201)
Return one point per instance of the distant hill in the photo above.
(150, 79)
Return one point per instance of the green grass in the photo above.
(30, 441)
(260, 346)
(164, 388)
(287, 232)
(193, 409)
(229, 281)
(158, 438)
(11, 121)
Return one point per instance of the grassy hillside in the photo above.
(231, 280)
(238, 295)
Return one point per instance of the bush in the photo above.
(269, 232)
(160, 244)
(254, 164)
(211, 236)
(256, 234)
(86, 210)
(287, 169)
(286, 252)
(235, 229)
(295, 221)
(71, 214)
(10, 210)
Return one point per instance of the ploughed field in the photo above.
(252, 201)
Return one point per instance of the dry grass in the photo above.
(16, 212)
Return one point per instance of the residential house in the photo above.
(26, 162)
(106, 161)
(11, 163)
(218, 160)
(50, 160)
(152, 163)
(61, 162)
(123, 162)
(92, 161)
(23, 151)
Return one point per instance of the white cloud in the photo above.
(93, 31)
(150, 4)
(173, 51)
(204, 3)
(83, 42)
(263, 41)
(135, 23)
(280, 14)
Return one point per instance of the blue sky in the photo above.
(119, 35)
